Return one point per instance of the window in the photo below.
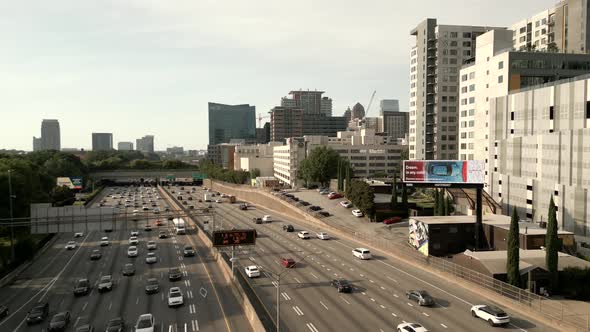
(500, 79)
(453, 52)
(464, 101)
(522, 39)
(452, 99)
(471, 112)
(471, 100)
(466, 34)
(471, 75)
(453, 61)
(467, 53)
(512, 116)
(463, 135)
(454, 34)
(472, 87)
(464, 89)
(471, 123)
(500, 64)
(453, 43)
(522, 30)
(466, 44)
(537, 24)
(463, 77)
(551, 114)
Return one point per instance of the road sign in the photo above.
(234, 237)
(170, 177)
(198, 176)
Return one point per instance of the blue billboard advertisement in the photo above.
(444, 171)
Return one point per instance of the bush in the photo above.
(573, 283)
(24, 249)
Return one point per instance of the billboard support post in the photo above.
(478, 217)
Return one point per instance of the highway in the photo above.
(377, 303)
(52, 277)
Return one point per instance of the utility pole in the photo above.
(12, 254)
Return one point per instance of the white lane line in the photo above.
(137, 301)
(193, 324)
(382, 287)
(77, 321)
(411, 305)
(322, 303)
(276, 284)
(372, 299)
(394, 315)
(110, 306)
(311, 327)
(262, 249)
(395, 295)
(197, 324)
(169, 328)
(84, 306)
(343, 299)
(314, 276)
(443, 325)
(184, 327)
(390, 278)
(382, 306)
(425, 314)
(298, 311)
(297, 280)
(362, 275)
(371, 281)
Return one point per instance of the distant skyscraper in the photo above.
(358, 111)
(348, 114)
(37, 144)
(228, 122)
(50, 135)
(263, 134)
(145, 144)
(311, 102)
(102, 141)
(125, 146)
(388, 105)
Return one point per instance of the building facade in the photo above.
(311, 102)
(286, 160)
(50, 135)
(388, 105)
(125, 146)
(259, 156)
(435, 61)
(263, 134)
(541, 150)
(285, 123)
(395, 124)
(37, 144)
(228, 122)
(145, 144)
(102, 141)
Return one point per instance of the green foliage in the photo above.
(405, 199)
(348, 171)
(552, 245)
(62, 196)
(573, 283)
(254, 173)
(110, 160)
(440, 202)
(363, 197)
(513, 245)
(341, 172)
(24, 249)
(218, 173)
(321, 165)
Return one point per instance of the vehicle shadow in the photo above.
(519, 324)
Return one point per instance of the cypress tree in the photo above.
(436, 202)
(394, 193)
(513, 246)
(447, 202)
(441, 203)
(552, 245)
(340, 182)
(405, 200)
(348, 181)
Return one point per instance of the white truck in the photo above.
(179, 226)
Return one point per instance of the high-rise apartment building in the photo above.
(145, 144)
(102, 141)
(311, 102)
(37, 144)
(125, 146)
(50, 135)
(228, 122)
(435, 60)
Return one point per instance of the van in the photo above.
(361, 253)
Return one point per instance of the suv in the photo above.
(188, 251)
(303, 235)
(82, 287)
(38, 313)
(105, 284)
(342, 285)
(323, 236)
(288, 228)
(491, 314)
(174, 274)
(361, 253)
(421, 297)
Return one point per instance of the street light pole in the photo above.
(10, 197)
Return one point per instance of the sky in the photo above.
(139, 67)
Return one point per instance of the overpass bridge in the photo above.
(148, 175)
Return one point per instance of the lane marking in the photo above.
(394, 315)
(297, 280)
(314, 276)
(286, 296)
(343, 299)
(322, 303)
(443, 325)
(311, 327)
(425, 314)
(298, 311)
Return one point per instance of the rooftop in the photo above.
(495, 261)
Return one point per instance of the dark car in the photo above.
(304, 203)
(59, 322)
(315, 208)
(163, 235)
(323, 213)
(342, 285)
(95, 255)
(288, 262)
(3, 311)
(257, 220)
(128, 270)
(152, 286)
(38, 313)
(188, 251)
(288, 228)
(174, 274)
(392, 220)
(190, 198)
(421, 297)
(115, 325)
(85, 328)
(82, 287)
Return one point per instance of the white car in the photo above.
(346, 204)
(267, 218)
(323, 236)
(175, 297)
(217, 201)
(362, 253)
(135, 212)
(491, 314)
(151, 245)
(71, 245)
(134, 233)
(133, 241)
(78, 234)
(411, 327)
(145, 208)
(303, 235)
(151, 258)
(145, 323)
(252, 271)
(357, 213)
(132, 251)
(104, 241)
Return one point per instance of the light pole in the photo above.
(10, 197)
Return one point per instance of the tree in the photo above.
(552, 47)
(394, 193)
(513, 247)
(447, 206)
(441, 203)
(436, 194)
(405, 199)
(62, 195)
(348, 171)
(254, 173)
(321, 165)
(341, 175)
(552, 245)
(363, 197)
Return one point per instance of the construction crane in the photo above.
(370, 103)
(260, 117)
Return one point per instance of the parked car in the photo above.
(288, 262)
(304, 203)
(324, 191)
(334, 195)
(59, 322)
(133, 241)
(392, 220)
(315, 208)
(421, 297)
(288, 228)
(362, 253)
(244, 206)
(78, 234)
(323, 236)
(252, 271)
(411, 327)
(357, 213)
(491, 314)
(321, 214)
(257, 220)
(345, 204)
(85, 328)
(342, 285)
(38, 313)
(303, 235)
(134, 233)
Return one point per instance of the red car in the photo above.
(334, 195)
(287, 262)
(392, 220)
(159, 223)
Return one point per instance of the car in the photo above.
(78, 234)
(104, 241)
(304, 203)
(82, 287)
(491, 314)
(392, 220)
(252, 271)
(95, 255)
(357, 213)
(145, 208)
(411, 327)
(174, 274)
(303, 235)
(244, 206)
(38, 313)
(71, 245)
(288, 228)
(59, 322)
(136, 211)
(108, 229)
(188, 251)
(159, 222)
(152, 286)
(175, 297)
(315, 208)
(267, 218)
(345, 204)
(132, 251)
(288, 262)
(324, 191)
(184, 202)
(257, 220)
(162, 235)
(362, 253)
(191, 207)
(115, 325)
(3, 311)
(151, 258)
(322, 236)
(322, 214)
(133, 241)
(342, 285)
(134, 233)
(148, 228)
(85, 328)
(190, 198)
(128, 269)
(145, 323)
(151, 245)
(334, 195)
(421, 297)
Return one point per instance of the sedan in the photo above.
(104, 241)
(267, 218)
(323, 236)
(59, 322)
(174, 274)
(357, 213)
(188, 251)
(421, 297)
(82, 287)
(334, 195)
(152, 286)
(134, 233)
(128, 270)
(303, 235)
(345, 204)
(342, 285)
(105, 284)
(133, 241)
(78, 234)
(162, 235)
(145, 323)
(288, 262)
(151, 245)
(175, 297)
(288, 228)
(252, 271)
(392, 220)
(411, 327)
(132, 251)
(71, 245)
(491, 314)
(38, 313)
(95, 255)
(115, 325)
(151, 258)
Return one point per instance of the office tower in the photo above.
(50, 135)
(394, 124)
(102, 141)
(145, 144)
(285, 123)
(358, 111)
(37, 144)
(435, 60)
(348, 114)
(311, 102)
(263, 134)
(388, 105)
(228, 122)
(125, 146)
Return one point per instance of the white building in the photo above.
(259, 156)
(286, 160)
(125, 146)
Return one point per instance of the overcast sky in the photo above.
(137, 67)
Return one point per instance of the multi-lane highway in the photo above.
(308, 301)
(52, 277)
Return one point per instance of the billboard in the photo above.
(418, 236)
(234, 237)
(70, 182)
(444, 171)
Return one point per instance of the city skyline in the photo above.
(127, 67)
